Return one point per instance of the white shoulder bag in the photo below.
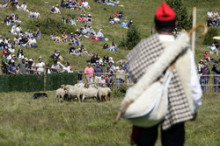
(151, 107)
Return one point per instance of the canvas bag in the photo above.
(151, 107)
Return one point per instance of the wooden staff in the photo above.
(127, 104)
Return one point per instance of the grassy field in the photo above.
(24, 121)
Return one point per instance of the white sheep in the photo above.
(73, 92)
(60, 94)
(104, 93)
(90, 92)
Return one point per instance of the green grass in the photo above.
(24, 121)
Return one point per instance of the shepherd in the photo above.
(183, 87)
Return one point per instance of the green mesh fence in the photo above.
(28, 83)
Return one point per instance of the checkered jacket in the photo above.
(140, 59)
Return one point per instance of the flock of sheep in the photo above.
(82, 92)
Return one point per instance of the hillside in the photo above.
(142, 13)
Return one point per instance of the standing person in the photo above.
(12, 68)
(4, 64)
(184, 89)
(40, 66)
(205, 78)
(98, 72)
(22, 66)
(120, 77)
(216, 78)
(89, 71)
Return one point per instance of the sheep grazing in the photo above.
(104, 93)
(60, 94)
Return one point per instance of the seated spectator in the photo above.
(37, 34)
(84, 31)
(12, 68)
(23, 41)
(111, 20)
(20, 54)
(24, 7)
(113, 47)
(53, 37)
(105, 46)
(11, 47)
(80, 18)
(100, 35)
(117, 19)
(93, 59)
(209, 14)
(53, 10)
(18, 30)
(32, 42)
(121, 14)
(56, 55)
(130, 23)
(105, 59)
(112, 3)
(91, 30)
(72, 49)
(89, 19)
(7, 20)
(57, 10)
(64, 37)
(215, 14)
(72, 21)
(6, 51)
(63, 4)
(206, 56)
(31, 13)
(40, 66)
(36, 14)
(124, 24)
(85, 4)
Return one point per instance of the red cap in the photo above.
(165, 13)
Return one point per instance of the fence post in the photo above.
(45, 79)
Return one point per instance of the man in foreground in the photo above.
(183, 87)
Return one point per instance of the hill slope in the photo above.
(142, 12)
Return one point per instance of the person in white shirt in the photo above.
(36, 14)
(85, 4)
(40, 66)
(32, 42)
(209, 14)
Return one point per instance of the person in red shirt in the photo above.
(80, 18)
(206, 56)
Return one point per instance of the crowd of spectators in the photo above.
(213, 19)
(108, 2)
(75, 4)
